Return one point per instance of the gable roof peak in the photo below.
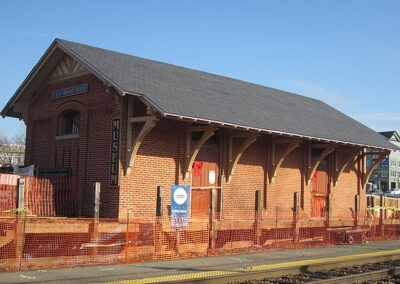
(390, 134)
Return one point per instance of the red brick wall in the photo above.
(239, 195)
(343, 195)
(160, 160)
(86, 156)
(288, 180)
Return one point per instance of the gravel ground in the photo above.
(333, 273)
(391, 280)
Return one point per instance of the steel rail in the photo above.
(361, 277)
(241, 275)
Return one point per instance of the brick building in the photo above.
(135, 125)
(386, 176)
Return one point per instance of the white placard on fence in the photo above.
(7, 179)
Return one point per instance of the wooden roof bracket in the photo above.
(381, 156)
(22, 107)
(191, 154)
(133, 147)
(339, 169)
(276, 162)
(234, 158)
(312, 166)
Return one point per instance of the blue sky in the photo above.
(344, 52)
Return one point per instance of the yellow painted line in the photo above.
(257, 268)
(323, 260)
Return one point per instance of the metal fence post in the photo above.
(20, 228)
(21, 195)
(97, 187)
(96, 235)
(159, 220)
(296, 209)
(213, 199)
(127, 238)
(382, 216)
(159, 209)
(356, 209)
(258, 212)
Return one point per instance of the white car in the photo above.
(394, 193)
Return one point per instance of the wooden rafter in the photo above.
(339, 169)
(312, 166)
(381, 156)
(191, 154)
(234, 158)
(66, 68)
(133, 147)
(276, 161)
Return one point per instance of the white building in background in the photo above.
(12, 154)
(387, 175)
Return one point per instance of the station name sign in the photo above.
(115, 144)
(71, 91)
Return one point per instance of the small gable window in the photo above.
(68, 123)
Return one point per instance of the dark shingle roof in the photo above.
(185, 92)
(387, 134)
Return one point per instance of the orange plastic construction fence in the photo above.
(37, 242)
(51, 196)
(44, 196)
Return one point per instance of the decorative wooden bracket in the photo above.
(250, 138)
(22, 107)
(276, 162)
(312, 166)
(339, 169)
(132, 148)
(208, 131)
(381, 156)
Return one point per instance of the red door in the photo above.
(319, 191)
(205, 177)
(200, 202)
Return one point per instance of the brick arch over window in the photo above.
(71, 118)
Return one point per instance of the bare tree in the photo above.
(12, 150)
(19, 138)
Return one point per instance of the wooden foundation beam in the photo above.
(191, 154)
(276, 162)
(250, 138)
(313, 165)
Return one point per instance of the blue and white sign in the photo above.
(179, 206)
(71, 91)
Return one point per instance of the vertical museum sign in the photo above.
(115, 145)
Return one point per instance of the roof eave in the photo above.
(28, 79)
(282, 133)
(7, 109)
(91, 68)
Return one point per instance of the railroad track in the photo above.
(366, 277)
(315, 271)
(329, 277)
